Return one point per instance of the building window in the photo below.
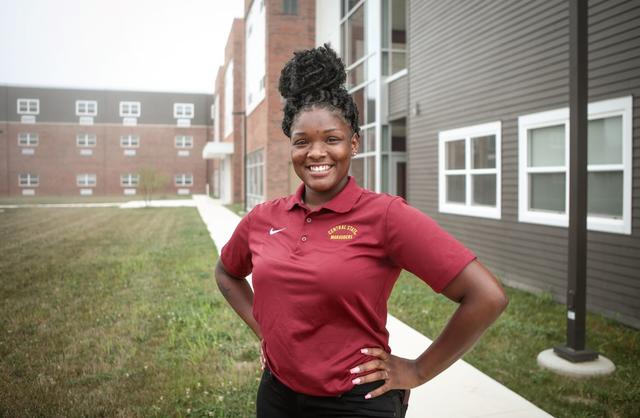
(129, 180)
(27, 139)
(130, 109)
(184, 141)
(86, 140)
(255, 58)
(86, 108)
(394, 36)
(290, 7)
(184, 179)
(183, 110)
(28, 180)
(544, 160)
(228, 100)
(255, 177)
(86, 180)
(469, 170)
(28, 106)
(130, 141)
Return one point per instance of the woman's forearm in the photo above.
(481, 300)
(462, 331)
(239, 295)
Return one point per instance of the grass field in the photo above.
(34, 200)
(112, 312)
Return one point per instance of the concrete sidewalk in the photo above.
(461, 391)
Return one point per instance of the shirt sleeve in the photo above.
(235, 254)
(418, 244)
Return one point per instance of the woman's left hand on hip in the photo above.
(397, 372)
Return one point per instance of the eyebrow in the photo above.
(324, 132)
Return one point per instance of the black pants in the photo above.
(275, 400)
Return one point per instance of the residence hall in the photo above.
(464, 109)
(80, 142)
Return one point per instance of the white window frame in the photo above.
(28, 139)
(183, 110)
(183, 180)
(466, 133)
(129, 180)
(86, 180)
(86, 140)
(130, 109)
(82, 108)
(597, 110)
(184, 141)
(29, 103)
(126, 141)
(255, 178)
(228, 100)
(32, 106)
(28, 180)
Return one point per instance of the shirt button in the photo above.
(304, 238)
(308, 220)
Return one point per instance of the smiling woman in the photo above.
(324, 262)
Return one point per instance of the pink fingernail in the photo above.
(355, 370)
(367, 396)
(356, 381)
(364, 351)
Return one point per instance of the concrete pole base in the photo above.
(598, 367)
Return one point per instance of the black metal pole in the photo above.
(244, 154)
(575, 350)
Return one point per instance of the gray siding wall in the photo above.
(398, 97)
(477, 62)
(59, 105)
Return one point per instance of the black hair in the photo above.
(315, 78)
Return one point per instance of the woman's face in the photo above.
(321, 147)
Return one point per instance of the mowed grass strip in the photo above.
(113, 312)
(531, 324)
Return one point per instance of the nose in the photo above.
(317, 150)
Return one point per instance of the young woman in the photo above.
(324, 262)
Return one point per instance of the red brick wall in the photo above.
(4, 159)
(57, 159)
(285, 34)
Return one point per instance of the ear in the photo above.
(355, 143)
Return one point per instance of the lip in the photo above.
(319, 173)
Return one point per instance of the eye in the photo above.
(333, 139)
(299, 142)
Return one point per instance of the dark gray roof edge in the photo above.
(110, 89)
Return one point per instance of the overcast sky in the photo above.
(159, 45)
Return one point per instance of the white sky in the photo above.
(158, 45)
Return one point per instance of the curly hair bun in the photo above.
(312, 70)
(316, 77)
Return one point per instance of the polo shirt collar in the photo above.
(341, 203)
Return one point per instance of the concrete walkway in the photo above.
(460, 392)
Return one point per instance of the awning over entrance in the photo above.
(217, 150)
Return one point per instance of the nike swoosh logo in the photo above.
(275, 231)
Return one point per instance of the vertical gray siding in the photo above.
(478, 62)
(398, 98)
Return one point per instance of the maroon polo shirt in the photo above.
(322, 278)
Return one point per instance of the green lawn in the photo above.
(111, 312)
(531, 324)
(31, 200)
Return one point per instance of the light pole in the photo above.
(244, 155)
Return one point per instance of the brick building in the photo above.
(272, 30)
(66, 142)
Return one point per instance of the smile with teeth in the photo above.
(319, 168)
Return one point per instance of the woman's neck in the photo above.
(314, 199)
